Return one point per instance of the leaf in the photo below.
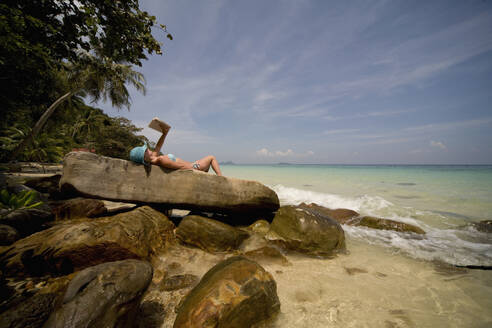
(34, 205)
(4, 195)
(169, 36)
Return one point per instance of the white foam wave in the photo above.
(365, 203)
(453, 244)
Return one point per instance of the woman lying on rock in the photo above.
(144, 155)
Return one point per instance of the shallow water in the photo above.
(388, 279)
(442, 200)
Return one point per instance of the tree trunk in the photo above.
(39, 124)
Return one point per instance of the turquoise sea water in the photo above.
(442, 200)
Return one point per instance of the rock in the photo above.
(28, 221)
(79, 208)
(341, 215)
(385, 224)
(8, 235)
(34, 309)
(33, 312)
(260, 226)
(119, 180)
(151, 314)
(46, 185)
(116, 207)
(235, 293)
(209, 235)
(72, 246)
(178, 282)
(105, 295)
(349, 217)
(267, 255)
(308, 232)
(484, 226)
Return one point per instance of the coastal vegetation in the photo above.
(55, 56)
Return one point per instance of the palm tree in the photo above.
(99, 78)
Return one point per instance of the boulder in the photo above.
(307, 232)
(260, 226)
(236, 292)
(209, 235)
(102, 177)
(79, 208)
(28, 220)
(8, 235)
(72, 246)
(385, 224)
(267, 255)
(105, 295)
(350, 217)
(47, 185)
(32, 307)
(484, 226)
(341, 215)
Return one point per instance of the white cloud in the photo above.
(437, 144)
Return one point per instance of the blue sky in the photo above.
(354, 82)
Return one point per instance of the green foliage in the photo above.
(24, 199)
(38, 36)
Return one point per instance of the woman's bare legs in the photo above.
(208, 161)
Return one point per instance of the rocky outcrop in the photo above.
(385, 224)
(350, 217)
(341, 215)
(105, 295)
(209, 235)
(120, 180)
(484, 226)
(235, 293)
(307, 232)
(72, 246)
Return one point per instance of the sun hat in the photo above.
(137, 154)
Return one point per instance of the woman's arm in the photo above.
(159, 144)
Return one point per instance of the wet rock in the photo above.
(349, 217)
(8, 235)
(260, 226)
(28, 221)
(72, 246)
(341, 215)
(32, 309)
(120, 180)
(385, 224)
(47, 185)
(79, 208)
(105, 295)
(484, 226)
(307, 232)
(209, 234)
(235, 293)
(267, 255)
(33, 312)
(178, 282)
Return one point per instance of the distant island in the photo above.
(284, 163)
(227, 163)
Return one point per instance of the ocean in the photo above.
(388, 279)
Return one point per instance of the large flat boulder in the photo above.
(102, 177)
